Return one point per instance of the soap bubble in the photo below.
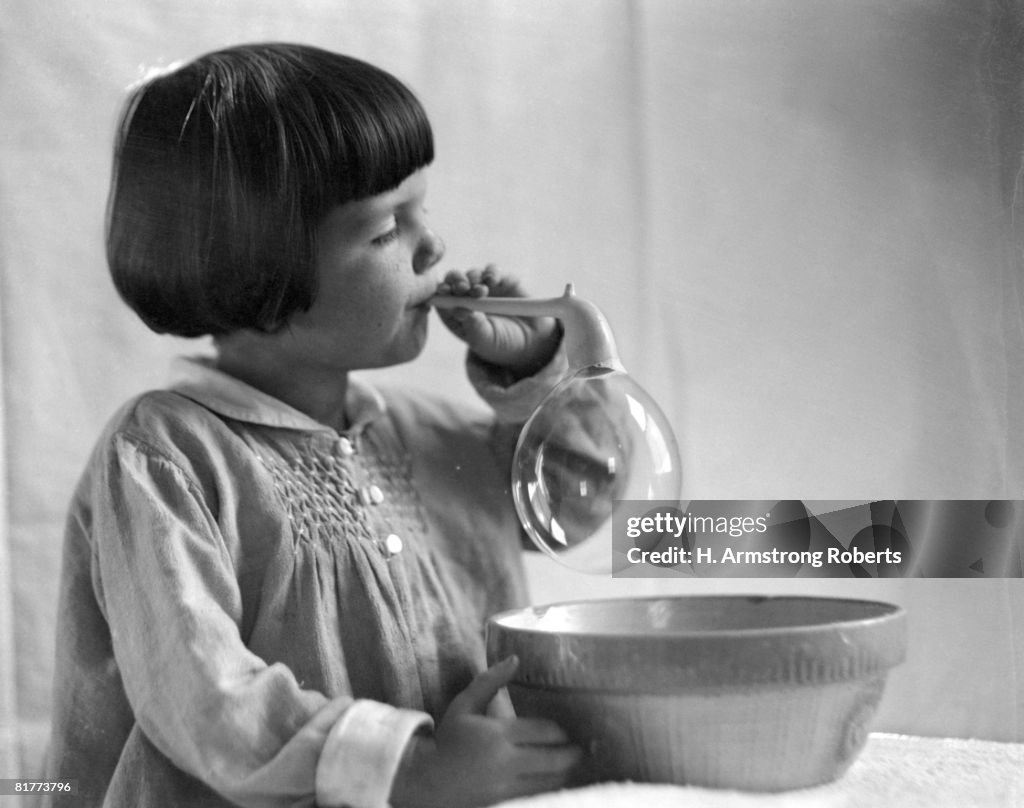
(596, 438)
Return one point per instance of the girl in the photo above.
(275, 577)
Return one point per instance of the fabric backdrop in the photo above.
(801, 217)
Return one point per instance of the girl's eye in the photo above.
(386, 238)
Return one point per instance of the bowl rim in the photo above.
(713, 660)
(888, 612)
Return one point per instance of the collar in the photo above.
(198, 379)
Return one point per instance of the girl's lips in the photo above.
(426, 302)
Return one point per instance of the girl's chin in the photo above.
(411, 346)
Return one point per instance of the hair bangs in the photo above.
(377, 134)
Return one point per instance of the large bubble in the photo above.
(596, 438)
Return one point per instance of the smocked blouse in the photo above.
(259, 610)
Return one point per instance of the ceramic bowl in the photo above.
(736, 692)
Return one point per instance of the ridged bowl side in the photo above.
(755, 740)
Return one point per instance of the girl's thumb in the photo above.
(485, 686)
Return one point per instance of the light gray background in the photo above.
(798, 215)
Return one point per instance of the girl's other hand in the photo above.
(522, 345)
(474, 759)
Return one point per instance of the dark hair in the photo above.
(223, 169)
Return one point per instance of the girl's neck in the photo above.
(315, 390)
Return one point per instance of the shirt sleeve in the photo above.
(514, 402)
(165, 581)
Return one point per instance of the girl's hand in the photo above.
(522, 345)
(474, 759)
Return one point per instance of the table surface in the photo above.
(893, 770)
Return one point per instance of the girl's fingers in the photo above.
(537, 732)
(454, 283)
(449, 280)
(554, 763)
(484, 687)
(507, 286)
(479, 283)
(453, 275)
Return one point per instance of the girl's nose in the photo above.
(429, 251)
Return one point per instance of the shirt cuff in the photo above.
(514, 403)
(362, 753)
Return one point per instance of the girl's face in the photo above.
(374, 267)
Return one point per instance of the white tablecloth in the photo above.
(893, 770)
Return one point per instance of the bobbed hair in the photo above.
(224, 168)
